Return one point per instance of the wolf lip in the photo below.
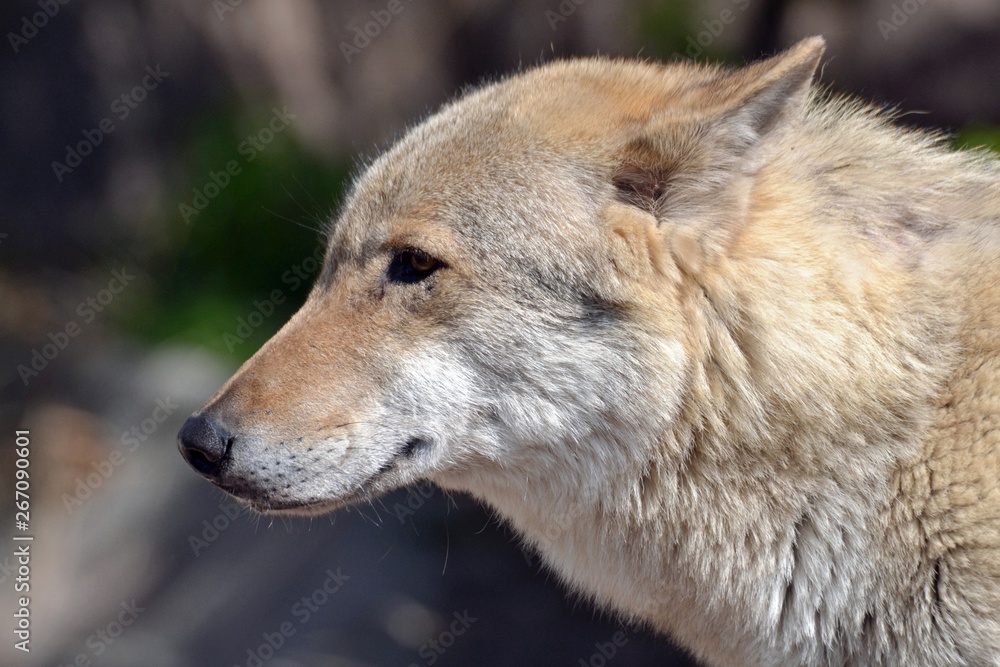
(364, 491)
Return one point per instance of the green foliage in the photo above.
(987, 136)
(663, 27)
(256, 225)
(686, 29)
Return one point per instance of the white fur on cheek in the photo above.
(433, 397)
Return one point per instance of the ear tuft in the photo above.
(641, 187)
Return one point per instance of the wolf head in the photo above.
(505, 297)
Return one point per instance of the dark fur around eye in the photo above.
(411, 266)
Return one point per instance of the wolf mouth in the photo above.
(366, 491)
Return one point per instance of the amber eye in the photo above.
(411, 266)
(422, 263)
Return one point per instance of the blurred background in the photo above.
(165, 168)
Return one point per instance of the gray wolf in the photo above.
(721, 346)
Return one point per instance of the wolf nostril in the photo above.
(205, 445)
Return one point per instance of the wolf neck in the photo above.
(711, 543)
(754, 518)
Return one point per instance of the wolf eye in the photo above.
(411, 266)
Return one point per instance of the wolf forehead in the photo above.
(537, 138)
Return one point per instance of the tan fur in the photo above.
(727, 352)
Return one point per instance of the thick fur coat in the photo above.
(725, 349)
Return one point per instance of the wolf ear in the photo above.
(692, 162)
(761, 99)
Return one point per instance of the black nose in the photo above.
(204, 443)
